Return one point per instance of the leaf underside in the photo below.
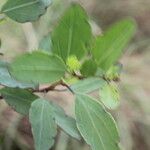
(67, 123)
(43, 125)
(88, 85)
(95, 125)
(7, 80)
(109, 96)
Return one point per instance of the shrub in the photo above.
(75, 59)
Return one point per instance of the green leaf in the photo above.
(88, 85)
(89, 68)
(108, 47)
(72, 34)
(68, 124)
(95, 125)
(19, 99)
(43, 125)
(25, 10)
(37, 67)
(109, 95)
(7, 80)
(45, 44)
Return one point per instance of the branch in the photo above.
(52, 88)
(47, 89)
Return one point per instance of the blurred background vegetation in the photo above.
(133, 115)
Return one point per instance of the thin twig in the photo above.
(53, 86)
(47, 89)
(67, 86)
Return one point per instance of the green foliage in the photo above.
(25, 10)
(88, 85)
(37, 67)
(7, 80)
(73, 33)
(89, 68)
(95, 125)
(66, 56)
(109, 95)
(43, 125)
(18, 99)
(68, 124)
(108, 47)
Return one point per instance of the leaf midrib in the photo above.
(20, 6)
(93, 123)
(70, 38)
(25, 68)
(109, 50)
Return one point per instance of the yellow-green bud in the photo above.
(73, 63)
